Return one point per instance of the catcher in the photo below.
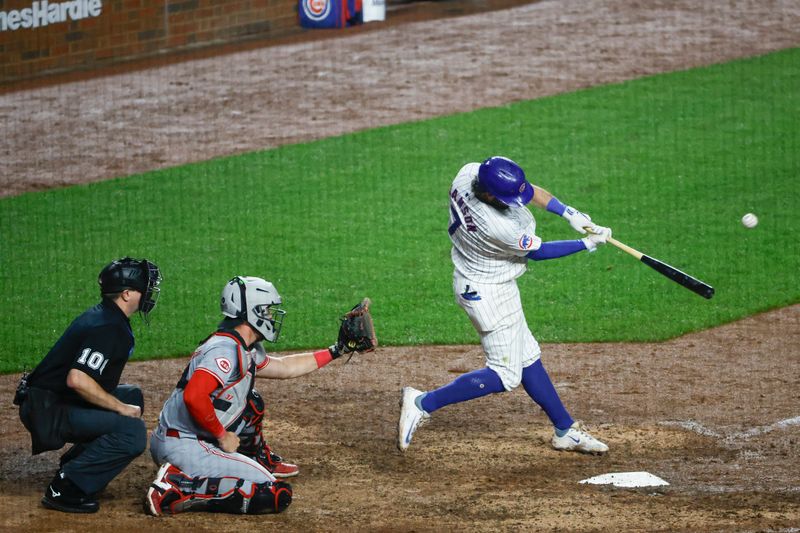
(208, 440)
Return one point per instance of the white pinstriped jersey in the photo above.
(489, 245)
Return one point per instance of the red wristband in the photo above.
(323, 357)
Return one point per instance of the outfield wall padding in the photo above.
(44, 37)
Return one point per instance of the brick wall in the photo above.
(43, 37)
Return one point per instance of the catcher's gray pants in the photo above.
(198, 458)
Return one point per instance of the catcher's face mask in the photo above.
(272, 318)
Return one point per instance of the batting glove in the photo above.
(597, 235)
(577, 219)
(601, 231)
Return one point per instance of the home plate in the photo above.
(627, 479)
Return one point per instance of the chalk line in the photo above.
(700, 429)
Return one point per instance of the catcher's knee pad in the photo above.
(255, 405)
(252, 423)
(252, 418)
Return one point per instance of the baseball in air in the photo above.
(750, 220)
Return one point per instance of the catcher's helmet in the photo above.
(505, 180)
(255, 301)
(137, 274)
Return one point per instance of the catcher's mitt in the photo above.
(356, 332)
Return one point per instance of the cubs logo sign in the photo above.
(223, 364)
(316, 9)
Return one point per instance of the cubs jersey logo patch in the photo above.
(223, 364)
(525, 242)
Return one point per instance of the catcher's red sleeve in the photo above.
(197, 397)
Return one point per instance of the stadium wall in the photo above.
(43, 37)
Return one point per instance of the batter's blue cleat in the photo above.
(411, 417)
(577, 439)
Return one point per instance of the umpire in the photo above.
(74, 394)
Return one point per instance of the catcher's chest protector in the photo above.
(236, 367)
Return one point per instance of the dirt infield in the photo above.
(716, 414)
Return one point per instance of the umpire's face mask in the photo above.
(150, 295)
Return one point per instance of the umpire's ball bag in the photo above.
(329, 13)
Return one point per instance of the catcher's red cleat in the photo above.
(275, 463)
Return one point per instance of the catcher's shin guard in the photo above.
(174, 492)
(270, 498)
(262, 498)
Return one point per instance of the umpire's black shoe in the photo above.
(63, 495)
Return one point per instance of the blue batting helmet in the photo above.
(505, 180)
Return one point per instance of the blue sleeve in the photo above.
(555, 249)
(554, 206)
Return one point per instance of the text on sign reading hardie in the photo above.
(44, 13)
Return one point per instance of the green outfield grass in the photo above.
(670, 162)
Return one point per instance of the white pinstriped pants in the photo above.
(496, 313)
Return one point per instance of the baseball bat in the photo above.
(693, 284)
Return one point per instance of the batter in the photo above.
(493, 237)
